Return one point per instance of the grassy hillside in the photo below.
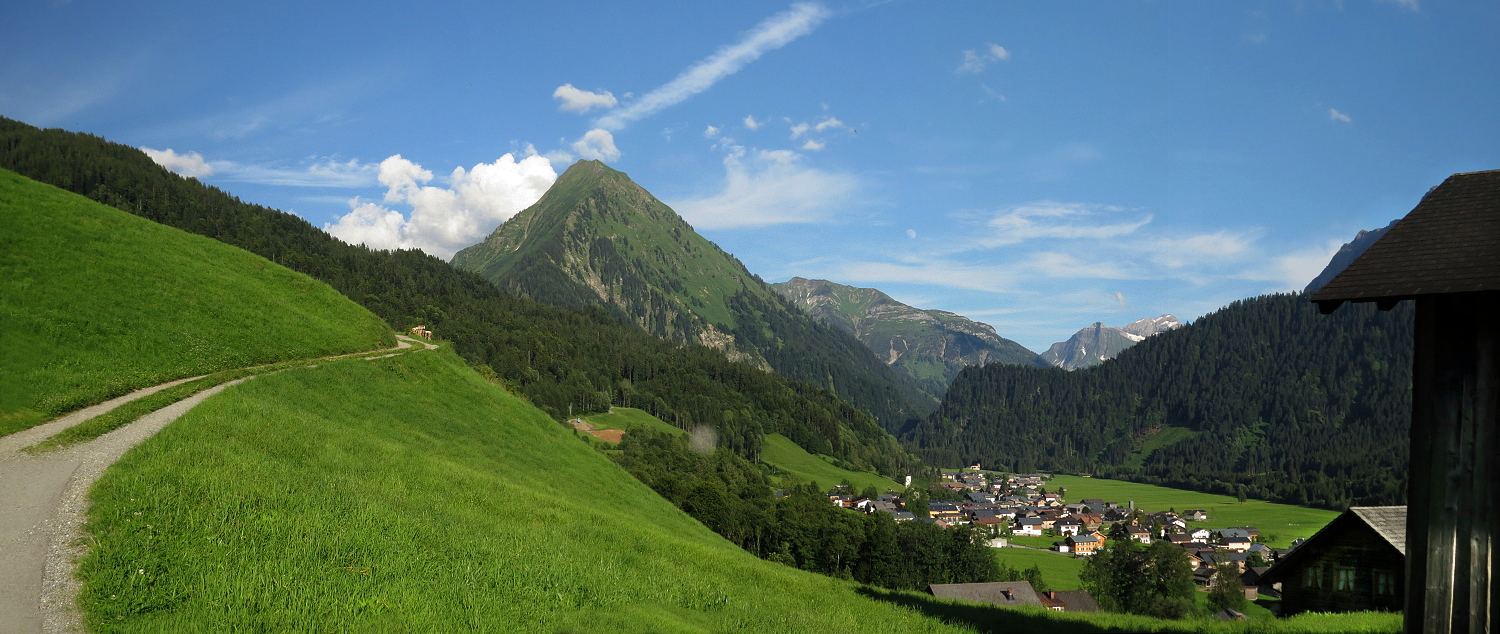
(563, 360)
(624, 418)
(1279, 524)
(408, 494)
(787, 456)
(96, 302)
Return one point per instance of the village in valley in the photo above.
(1021, 511)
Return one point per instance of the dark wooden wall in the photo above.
(1356, 546)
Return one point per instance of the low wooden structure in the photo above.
(1354, 563)
(1445, 254)
(1006, 593)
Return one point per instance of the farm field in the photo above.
(787, 455)
(97, 303)
(1279, 524)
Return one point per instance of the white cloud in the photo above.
(598, 145)
(711, 132)
(813, 145)
(773, 33)
(800, 129)
(1204, 249)
(444, 219)
(1408, 5)
(911, 233)
(1050, 219)
(324, 172)
(1294, 270)
(767, 188)
(190, 164)
(1335, 115)
(830, 122)
(752, 124)
(976, 60)
(575, 100)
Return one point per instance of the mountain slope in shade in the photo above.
(1097, 343)
(598, 238)
(931, 346)
(1346, 255)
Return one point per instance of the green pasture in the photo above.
(96, 303)
(1279, 524)
(786, 455)
(1060, 571)
(624, 418)
(409, 494)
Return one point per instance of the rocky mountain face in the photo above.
(1097, 343)
(931, 346)
(1346, 255)
(597, 238)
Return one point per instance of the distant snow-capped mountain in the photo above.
(1097, 343)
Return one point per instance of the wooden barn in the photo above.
(1445, 255)
(1357, 562)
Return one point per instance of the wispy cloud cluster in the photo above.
(768, 187)
(774, 33)
(1026, 248)
(1335, 115)
(575, 100)
(975, 60)
(317, 172)
(443, 219)
(1051, 219)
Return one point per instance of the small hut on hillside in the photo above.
(1354, 563)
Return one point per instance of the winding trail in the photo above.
(44, 502)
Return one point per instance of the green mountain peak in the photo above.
(598, 238)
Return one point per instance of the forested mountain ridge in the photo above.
(561, 359)
(931, 346)
(598, 238)
(1264, 397)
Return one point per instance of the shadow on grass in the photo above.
(988, 619)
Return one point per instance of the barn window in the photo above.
(1344, 579)
(1312, 577)
(1385, 582)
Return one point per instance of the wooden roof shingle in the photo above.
(1450, 243)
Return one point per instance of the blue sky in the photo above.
(1031, 166)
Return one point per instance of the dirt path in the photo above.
(44, 502)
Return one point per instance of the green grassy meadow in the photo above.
(624, 418)
(409, 494)
(1060, 571)
(96, 303)
(1279, 524)
(781, 452)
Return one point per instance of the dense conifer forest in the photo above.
(1264, 398)
(564, 360)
